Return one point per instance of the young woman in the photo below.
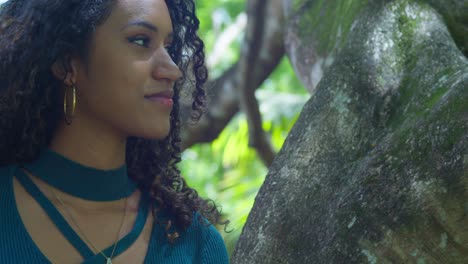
(89, 133)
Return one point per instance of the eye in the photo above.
(140, 41)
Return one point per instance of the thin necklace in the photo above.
(108, 259)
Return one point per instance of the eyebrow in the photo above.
(144, 24)
(141, 23)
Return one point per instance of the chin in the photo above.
(160, 133)
(155, 133)
(157, 130)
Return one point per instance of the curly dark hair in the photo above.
(30, 93)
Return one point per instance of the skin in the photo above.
(125, 63)
(111, 86)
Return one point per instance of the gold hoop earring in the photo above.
(68, 119)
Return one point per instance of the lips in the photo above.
(163, 98)
(163, 94)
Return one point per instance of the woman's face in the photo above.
(128, 61)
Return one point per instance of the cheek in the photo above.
(113, 72)
(114, 86)
(113, 93)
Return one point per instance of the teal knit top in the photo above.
(200, 243)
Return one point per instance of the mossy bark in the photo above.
(376, 168)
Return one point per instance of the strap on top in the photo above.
(71, 235)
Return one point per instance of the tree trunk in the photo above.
(375, 169)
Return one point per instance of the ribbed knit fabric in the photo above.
(199, 244)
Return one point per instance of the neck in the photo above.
(80, 180)
(96, 148)
(85, 160)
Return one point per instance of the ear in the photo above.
(66, 70)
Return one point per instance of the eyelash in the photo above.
(146, 40)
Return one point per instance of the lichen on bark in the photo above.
(375, 169)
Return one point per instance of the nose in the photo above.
(165, 67)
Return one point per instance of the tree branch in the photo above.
(223, 93)
(256, 30)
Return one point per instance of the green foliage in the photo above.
(220, 25)
(327, 22)
(227, 170)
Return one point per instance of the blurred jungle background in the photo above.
(226, 169)
(375, 170)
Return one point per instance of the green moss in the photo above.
(406, 27)
(409, 50)
(435, 97)
(407, 93)
(455, 15)
(458, 26)
(452, 111)
(327, 22)
(423, 133)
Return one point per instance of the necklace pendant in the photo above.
(109, 261)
